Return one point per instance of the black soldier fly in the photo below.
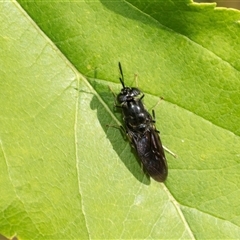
(141, 131)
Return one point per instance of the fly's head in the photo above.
(127, 94)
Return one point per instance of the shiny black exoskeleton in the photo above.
(142, 132)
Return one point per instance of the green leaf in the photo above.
(64, 174)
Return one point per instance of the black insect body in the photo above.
(141, 131)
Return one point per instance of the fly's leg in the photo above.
(115, 97)
(159, 101)
(169, 151)
(165, 148)
(136, 79)
(122, 129)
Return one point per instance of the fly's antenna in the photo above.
(121, 73)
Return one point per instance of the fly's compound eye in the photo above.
(121, 98)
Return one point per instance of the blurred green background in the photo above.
(223, 3)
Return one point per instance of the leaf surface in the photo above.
(64, 174)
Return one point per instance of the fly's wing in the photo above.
(150, 151)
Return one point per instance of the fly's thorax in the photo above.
(134, 109)
(135, 115)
